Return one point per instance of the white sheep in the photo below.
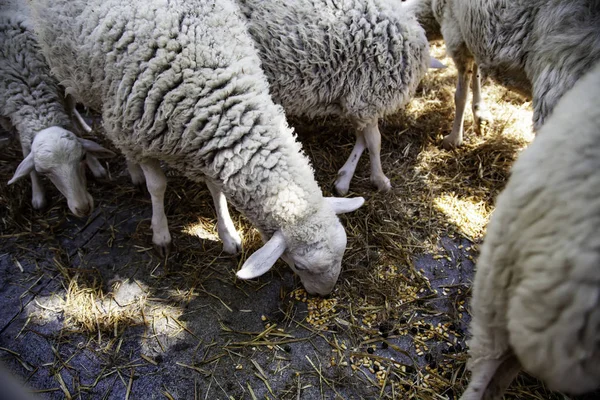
(358, 59)
(536, 294)
(29, 102)
(181, 82)
(538, 48)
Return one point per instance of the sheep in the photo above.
(537, 48)
(182, 83)
(536, 292)
(358, 59)
(30, 102)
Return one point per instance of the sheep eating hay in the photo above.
(536, 299)
(30, 102)
(359, 59)
(181, 82)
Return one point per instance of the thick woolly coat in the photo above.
(29, 96)
(180, 81)
(360, 59)
(537, 287)
(538, 48)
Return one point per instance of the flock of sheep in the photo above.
(202, 86)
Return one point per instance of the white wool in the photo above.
(30, 101)
(357, 59)
(181, 82)
(538, 48)
(536, 292)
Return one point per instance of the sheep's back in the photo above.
(355, 58)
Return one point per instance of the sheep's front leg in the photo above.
(136, 173)
(156, 181)
(232, 242)
(481, 115)
(455, 138)
(373, 140)
(345, 174)
(95, 166)
(490, 378)
(38, 195)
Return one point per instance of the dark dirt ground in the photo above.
(198, 361)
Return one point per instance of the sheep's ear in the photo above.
(435, 63)
(343, 205)
(23, 169)
(95, 149)
(264, 258)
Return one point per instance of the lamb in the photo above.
(358, 59)
(538, 48)
(536, 294)
(182, 83)
(29, 102)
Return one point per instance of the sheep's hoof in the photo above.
(341, 186)
(163, 250)
(450, 143)
(39, 202)
(382, 183)
(233, 244)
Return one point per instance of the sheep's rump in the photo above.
(363, 58)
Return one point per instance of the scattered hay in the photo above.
(393, 329)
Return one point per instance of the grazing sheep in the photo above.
(359, 59)
(181, 82)
(29, 102)
(536, 295)
(538, 48)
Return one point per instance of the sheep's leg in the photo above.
(72, 106)
(481, 115)
(373, 140)
(38, 195)
(455, 138)
(232, 242)
(95, 166)
(136, 173)
(156, 182)
(345, 174)
(491, 378)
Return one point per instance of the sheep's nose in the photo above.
(83, 210)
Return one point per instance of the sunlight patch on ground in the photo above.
(468, 215)
(103, 316)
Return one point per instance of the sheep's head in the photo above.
(59, 155)
(314, 250)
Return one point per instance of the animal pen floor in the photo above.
(89, 311)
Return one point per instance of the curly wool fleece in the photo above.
(140, 65)
(361, 59)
